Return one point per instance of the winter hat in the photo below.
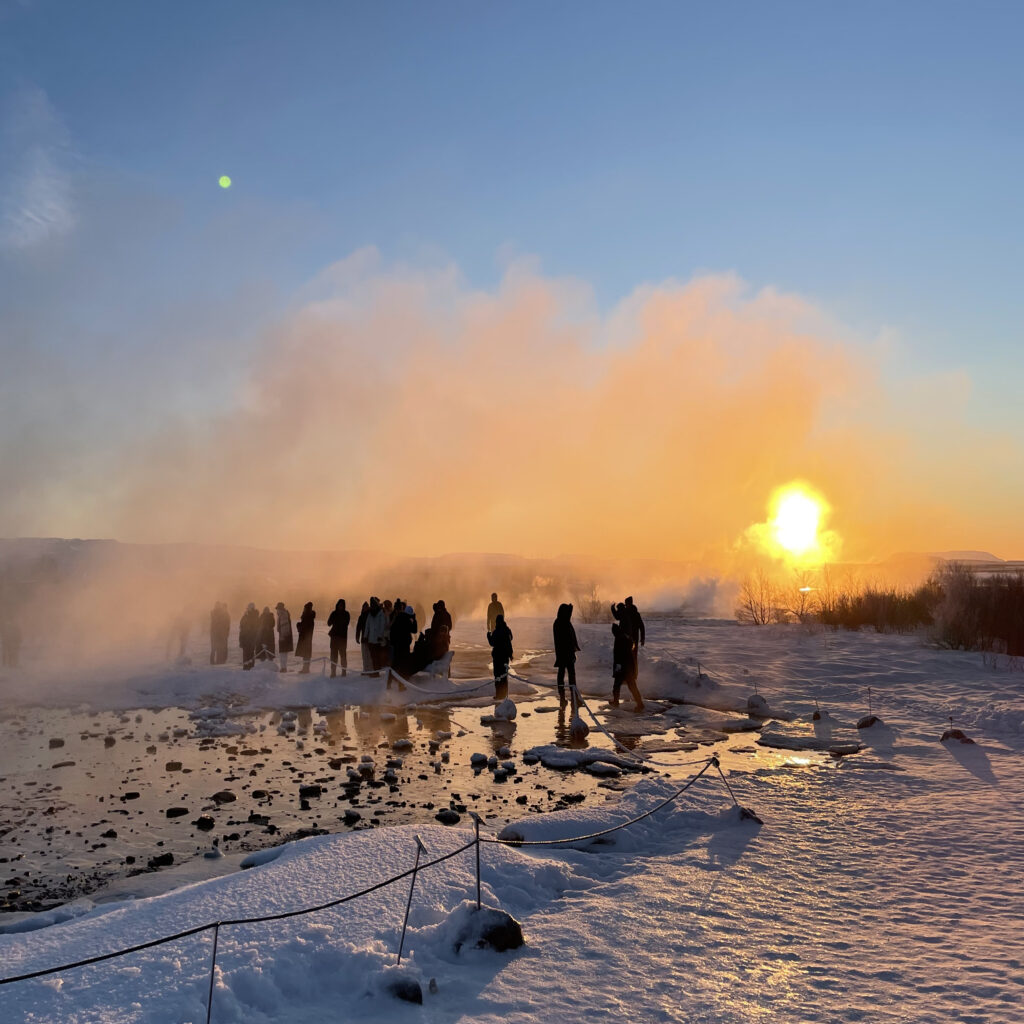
(279, 605)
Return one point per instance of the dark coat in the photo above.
(268, 627)
(285, 640)
(500, 639)
(304, 627)
(635, 624)
(249, 628)
(623, 665)
(566, 644)
(361, 623)
(442, 617)
(403, 629)
(337, 623)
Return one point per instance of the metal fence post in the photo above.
(420, 848)
(476, 823)
(213, 965)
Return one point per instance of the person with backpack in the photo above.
(566, 646)
(623, 667)
(500, 639)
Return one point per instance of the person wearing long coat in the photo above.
(285, 640)
(304, 647)
(337, 630)
(623, 667)
(376, 634)
(500, 639)
(364, 646)
(566, 646)
(248, 634)
(265, 642)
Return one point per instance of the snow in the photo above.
(884, 886)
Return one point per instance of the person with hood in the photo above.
(375, 634)
(403, 630)
(265, 642)
(494, 609)
(337, 630)
(623, 667)
(500, 639)
(566, 646)
(440, 630)
(304, 627)
(364, 647)
(285, 639)
(248, 634)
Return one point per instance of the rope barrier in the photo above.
(614, 828)
(713, 761)
(231, 921)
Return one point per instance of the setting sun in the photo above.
(794, 531)
(795, 523)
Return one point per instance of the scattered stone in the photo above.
(56, 742)
(224, 796)
(405, 988)
(172, 766)
(448, 817)
(489, 928)
(204, 823)
(309, 791)
(161, 860)
(176, 812)
(108, 741)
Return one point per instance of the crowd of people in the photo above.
(386, 632)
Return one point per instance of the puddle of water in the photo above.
(94, 809)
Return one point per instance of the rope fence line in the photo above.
(417, 867)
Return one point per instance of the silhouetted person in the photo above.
(623, 667)
(629, 618)
(403, 629)
(377, 634)
(440, 630)
(337, 630)
(220, 628)
(10, 641)
(364, 647)
(265, 643)
(566, 646)
(304, 627)
(248, 634)
(494, 609)
(285, 638)
(500, 639)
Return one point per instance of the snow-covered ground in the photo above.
(883, 886)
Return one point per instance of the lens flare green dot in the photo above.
(224, 181)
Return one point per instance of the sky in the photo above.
(803, 222)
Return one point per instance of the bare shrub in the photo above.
(588, 607)
(758, 600)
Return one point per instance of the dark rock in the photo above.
(64, 764)
(224, 796)
(176, 812)
(489, 928)
(204, 823)
(130, 796)
(108, 741)
(448, 817)
(111, 833)
(258, 819)
(259, 794)
(161, 860)
(953, 734)
(406, 989)
(311, 790)
(351, 817)
(172, 766)
(55, 743)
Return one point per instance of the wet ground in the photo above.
(91, 797)
(87, 798)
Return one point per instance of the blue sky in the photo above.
(866, 156)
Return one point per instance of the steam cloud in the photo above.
(400, 411)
